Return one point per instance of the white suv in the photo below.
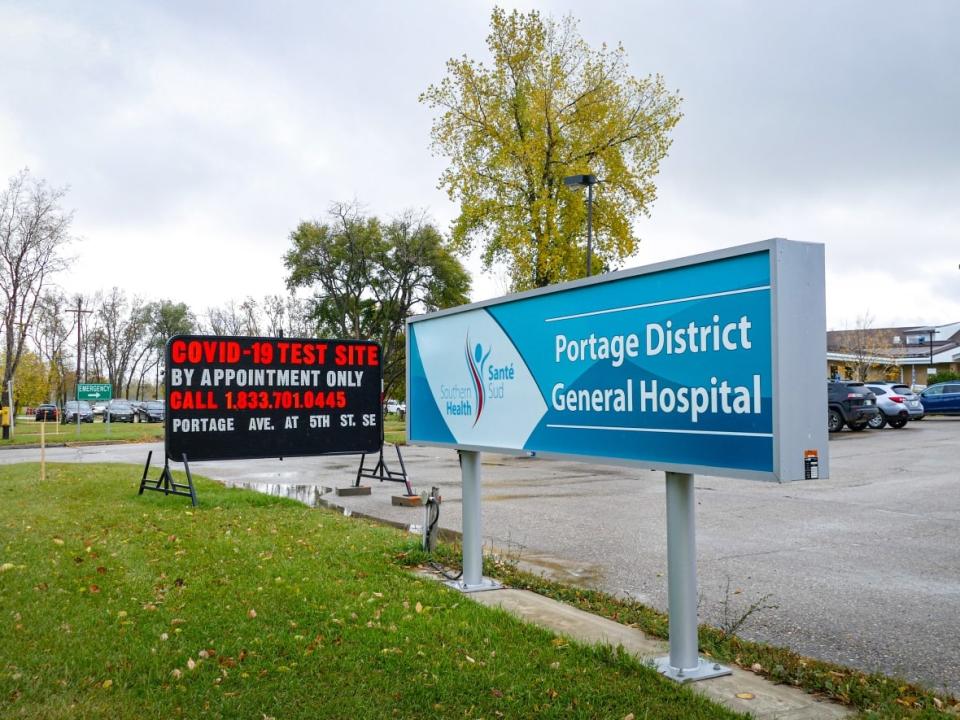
(897, 404)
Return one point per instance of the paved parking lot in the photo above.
(864, 568)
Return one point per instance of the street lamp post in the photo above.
(588, 181)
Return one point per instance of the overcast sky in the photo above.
(195, 136)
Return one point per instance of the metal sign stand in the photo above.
(381, 471)
(683, 664)
(472, 579)
(165, 482)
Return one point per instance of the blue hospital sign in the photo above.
(708, 364)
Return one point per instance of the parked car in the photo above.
(897, 403)
(47, 411)
(99, 408)
(392, 407)
(942, 398)
(72, 408)
(849, 403)
(118, 411)
(151, 411)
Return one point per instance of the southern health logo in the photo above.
(475, 363)
(491, 382)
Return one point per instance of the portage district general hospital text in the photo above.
(719, 396)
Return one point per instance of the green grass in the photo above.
(395, 429)
(874, 695)
(27, 432)
(115, 605)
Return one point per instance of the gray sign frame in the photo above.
(798, 350)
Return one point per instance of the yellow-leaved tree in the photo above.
(548, 107)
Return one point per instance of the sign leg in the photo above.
(472, 580)
(146, 469)
(193, 493)
(683, 664)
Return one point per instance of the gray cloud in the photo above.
(192, 130)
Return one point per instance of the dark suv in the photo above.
(849, 403)
(72, 408)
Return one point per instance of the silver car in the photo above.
(897, 403)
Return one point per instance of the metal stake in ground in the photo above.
(683, 664)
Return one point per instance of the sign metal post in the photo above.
(472, 579)
(683, 664)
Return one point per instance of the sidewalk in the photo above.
(743, 691)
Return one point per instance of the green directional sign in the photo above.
(94, 391)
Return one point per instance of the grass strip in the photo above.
(873, 694)
(124, 606)
(27, 432)
(394, 430)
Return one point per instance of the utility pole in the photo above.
(80, 312)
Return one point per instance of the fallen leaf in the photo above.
(94, 588)
(745, 696)
(496, 693)
(552, 694)
(58, 541)
(101, 570)
(757, 667)
(164, 637)
(419, 608)
(7, 566)
(177, 673)
(106, 684)
(191, 664)
(251, 613)
(629, 716)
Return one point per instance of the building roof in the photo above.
(892, 345)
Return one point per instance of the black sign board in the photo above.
(252, 397)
